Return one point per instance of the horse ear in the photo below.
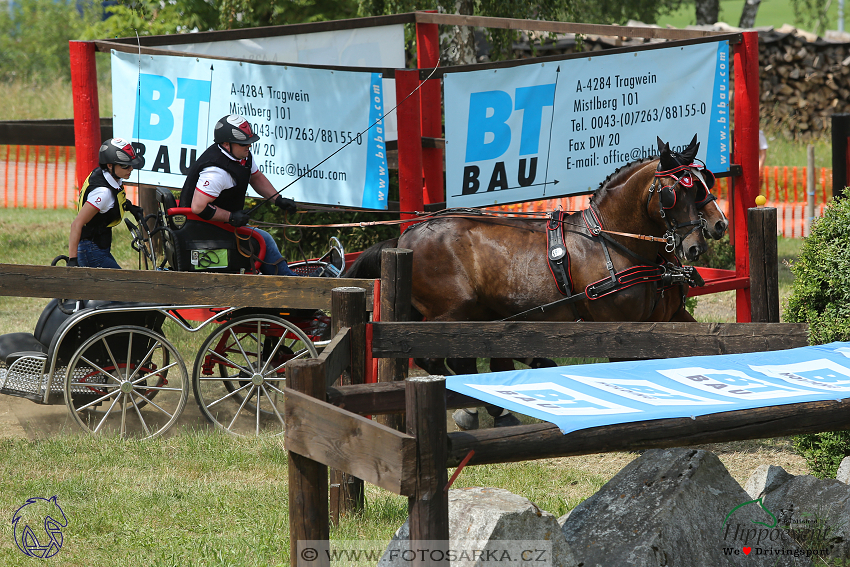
(660, 146)
(691, 151)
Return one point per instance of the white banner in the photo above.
(302, 115)
(379, 46)
(544, 130)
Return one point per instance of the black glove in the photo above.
(287, 205)
(134, 210)
(239, 218)
(72, 262)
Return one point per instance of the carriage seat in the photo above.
(38, 343)
(193, 244)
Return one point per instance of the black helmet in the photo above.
(234, 128)
(119, 151)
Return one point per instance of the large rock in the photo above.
(815, 511)
(844, 471)
(489, 519)
(673, 507)
(766, 478)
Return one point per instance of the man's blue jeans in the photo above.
(273, 263)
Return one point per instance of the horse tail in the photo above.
(368, 264)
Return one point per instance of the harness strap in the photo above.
(557, 254)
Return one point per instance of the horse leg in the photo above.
(433, 366)
(537, 362)
(501, 417)
(465, 418)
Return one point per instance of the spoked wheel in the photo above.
(239, 373)
(126, 381)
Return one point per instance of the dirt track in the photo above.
(22, 419)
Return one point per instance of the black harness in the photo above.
(663, 272)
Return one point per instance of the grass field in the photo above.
(771, 13)
(204, 499)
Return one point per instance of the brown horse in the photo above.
(469, 267)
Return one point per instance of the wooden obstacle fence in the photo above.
(428, 449)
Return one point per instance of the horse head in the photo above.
(679, 186)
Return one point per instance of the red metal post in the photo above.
(409, 144)
(746, 154)
(428, 57)
(86, 112)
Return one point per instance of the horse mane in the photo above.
(622, 173)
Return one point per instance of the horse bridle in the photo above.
(667, 200)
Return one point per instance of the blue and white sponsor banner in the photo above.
(302, 116)
(591, 395)
(544, 130)
(378, 46)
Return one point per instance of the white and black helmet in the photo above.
(234, 129)
(119, 151)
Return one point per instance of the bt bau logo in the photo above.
(490, 133)
(38, 531)
(163, 106)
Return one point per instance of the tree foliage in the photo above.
(588, 11)
(811, 14)
(34, 38)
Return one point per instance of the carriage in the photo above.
(111, 364)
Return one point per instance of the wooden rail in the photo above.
(173, 287)
(582, 340)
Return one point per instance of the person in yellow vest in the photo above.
(101, 206)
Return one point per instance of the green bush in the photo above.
(823, 451)
(820, 296)
(720, 254)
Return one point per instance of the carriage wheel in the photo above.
(239, 373)
(126, 381)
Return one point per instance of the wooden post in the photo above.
(308, 480)
(428, 508)
(840, 153)
(396, 278)
(348, 309)
(810, 190)
(764, 265)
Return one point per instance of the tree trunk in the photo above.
(748, 14)
(708, 11)
(461, 49)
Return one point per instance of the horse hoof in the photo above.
(543, 363)
(466, 419)
(506, 420)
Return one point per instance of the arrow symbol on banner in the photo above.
(209, 106)
(555, 182)
(551, 122)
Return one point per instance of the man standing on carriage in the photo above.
(217, 183)
(101, 205)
